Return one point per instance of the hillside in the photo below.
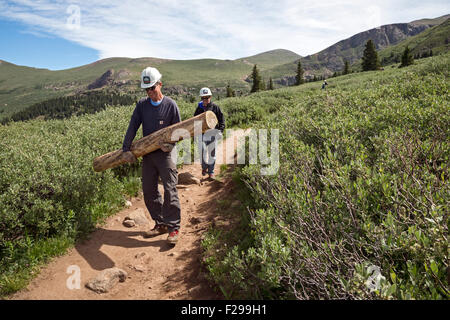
(436, 39)
(22, 86)
(331, 59)
(271, 59)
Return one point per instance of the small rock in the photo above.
(138, 216)
(128, 204)
(187, 178)
(129, 223)
(195, 290)
(106, 280)
(140, 268)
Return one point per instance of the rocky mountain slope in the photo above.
(331, 59)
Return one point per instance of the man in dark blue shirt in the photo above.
(210, 137)
(154, 113)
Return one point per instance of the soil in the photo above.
(156, 270)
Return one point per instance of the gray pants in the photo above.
(159, 164)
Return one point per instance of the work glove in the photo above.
(129, 157)
(166, 147)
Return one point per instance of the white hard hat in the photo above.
(149, 77)
(205, 92)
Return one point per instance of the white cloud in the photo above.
(201, 28)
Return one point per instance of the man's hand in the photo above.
(129, 157)
(166, 147)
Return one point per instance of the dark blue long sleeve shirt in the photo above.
(152, 118)
(214, 108)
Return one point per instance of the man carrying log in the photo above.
(154, 113)
(207, 139)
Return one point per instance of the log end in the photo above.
(211, 119)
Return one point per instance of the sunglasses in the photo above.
(205, 98)
(151, 88)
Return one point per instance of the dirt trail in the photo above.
(156, 270)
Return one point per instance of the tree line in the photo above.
(65, 107)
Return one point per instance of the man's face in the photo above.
(154, 92)
(206, 100)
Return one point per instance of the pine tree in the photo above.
(262, 85)
(299, 77)
(270, 84)
(256, 80)
(346, 67)
(370, 57)
(407, 58)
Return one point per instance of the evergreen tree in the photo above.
(407, 58)
(370, 57)
(256, 80)
(299, 77)
(262, 85)
(346, 67)
(270, 84)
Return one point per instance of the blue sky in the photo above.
(58, 34)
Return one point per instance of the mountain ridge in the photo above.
(22, 86)
(331, 59)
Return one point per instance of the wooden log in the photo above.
(152, 142)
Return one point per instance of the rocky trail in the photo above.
(153, 268)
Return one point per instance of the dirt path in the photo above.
(156, 270)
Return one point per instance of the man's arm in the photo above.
(133, 126)
(220, 119)
(176, 115)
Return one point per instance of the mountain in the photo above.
(331, 59)
(22, 86)
(271, 59)
(436, 39)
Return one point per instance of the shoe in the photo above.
(156, 231)
(173, 237)
(204, 172)
(211, 176)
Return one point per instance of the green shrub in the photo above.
(49, 190)
(362, 185)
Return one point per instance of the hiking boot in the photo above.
(173, 237)
(204, 172)
(156, 231)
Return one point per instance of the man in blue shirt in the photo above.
(154, 113)
(207, 139)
